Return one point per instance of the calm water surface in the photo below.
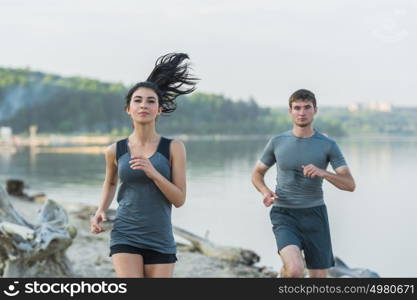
(375, 227)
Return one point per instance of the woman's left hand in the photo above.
(142, 163)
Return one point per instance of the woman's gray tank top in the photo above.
(143, 217)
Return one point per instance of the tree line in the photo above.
(75, 105)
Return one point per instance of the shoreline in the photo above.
(86, 139)
(98, 144)
(104, 139)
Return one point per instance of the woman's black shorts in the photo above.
(149, 256)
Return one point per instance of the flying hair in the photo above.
(169, 79)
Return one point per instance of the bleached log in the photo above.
(38, 249)
(208, 248)
(340, 269)
(11, 228)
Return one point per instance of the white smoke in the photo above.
(23, 96)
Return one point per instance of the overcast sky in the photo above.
(343, 50)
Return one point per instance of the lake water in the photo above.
(375, 227)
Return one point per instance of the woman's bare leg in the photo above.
(159, 270)
(128, 265)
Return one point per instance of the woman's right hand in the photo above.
(95, 221)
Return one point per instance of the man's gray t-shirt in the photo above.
(290, 153)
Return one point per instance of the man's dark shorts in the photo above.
(307, 228)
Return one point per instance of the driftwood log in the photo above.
(249, 257)
(208, 248)
(340, 269)
(203, 245)
(34, 250)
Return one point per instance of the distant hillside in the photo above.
(69, 105)
(58, 104)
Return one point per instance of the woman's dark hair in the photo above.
(304, 95)
(169, 79)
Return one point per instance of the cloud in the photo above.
(386, 26)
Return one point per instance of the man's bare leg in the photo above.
(293, 262)
(318, 273)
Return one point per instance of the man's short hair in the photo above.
(303, 95)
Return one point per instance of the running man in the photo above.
(299, 215)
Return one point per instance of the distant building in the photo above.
(6, 134)
(370, 106)
(6, 141)
(380, 106)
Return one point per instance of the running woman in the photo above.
(152, 172)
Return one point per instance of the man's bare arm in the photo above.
(342, 179)
(258, 181)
